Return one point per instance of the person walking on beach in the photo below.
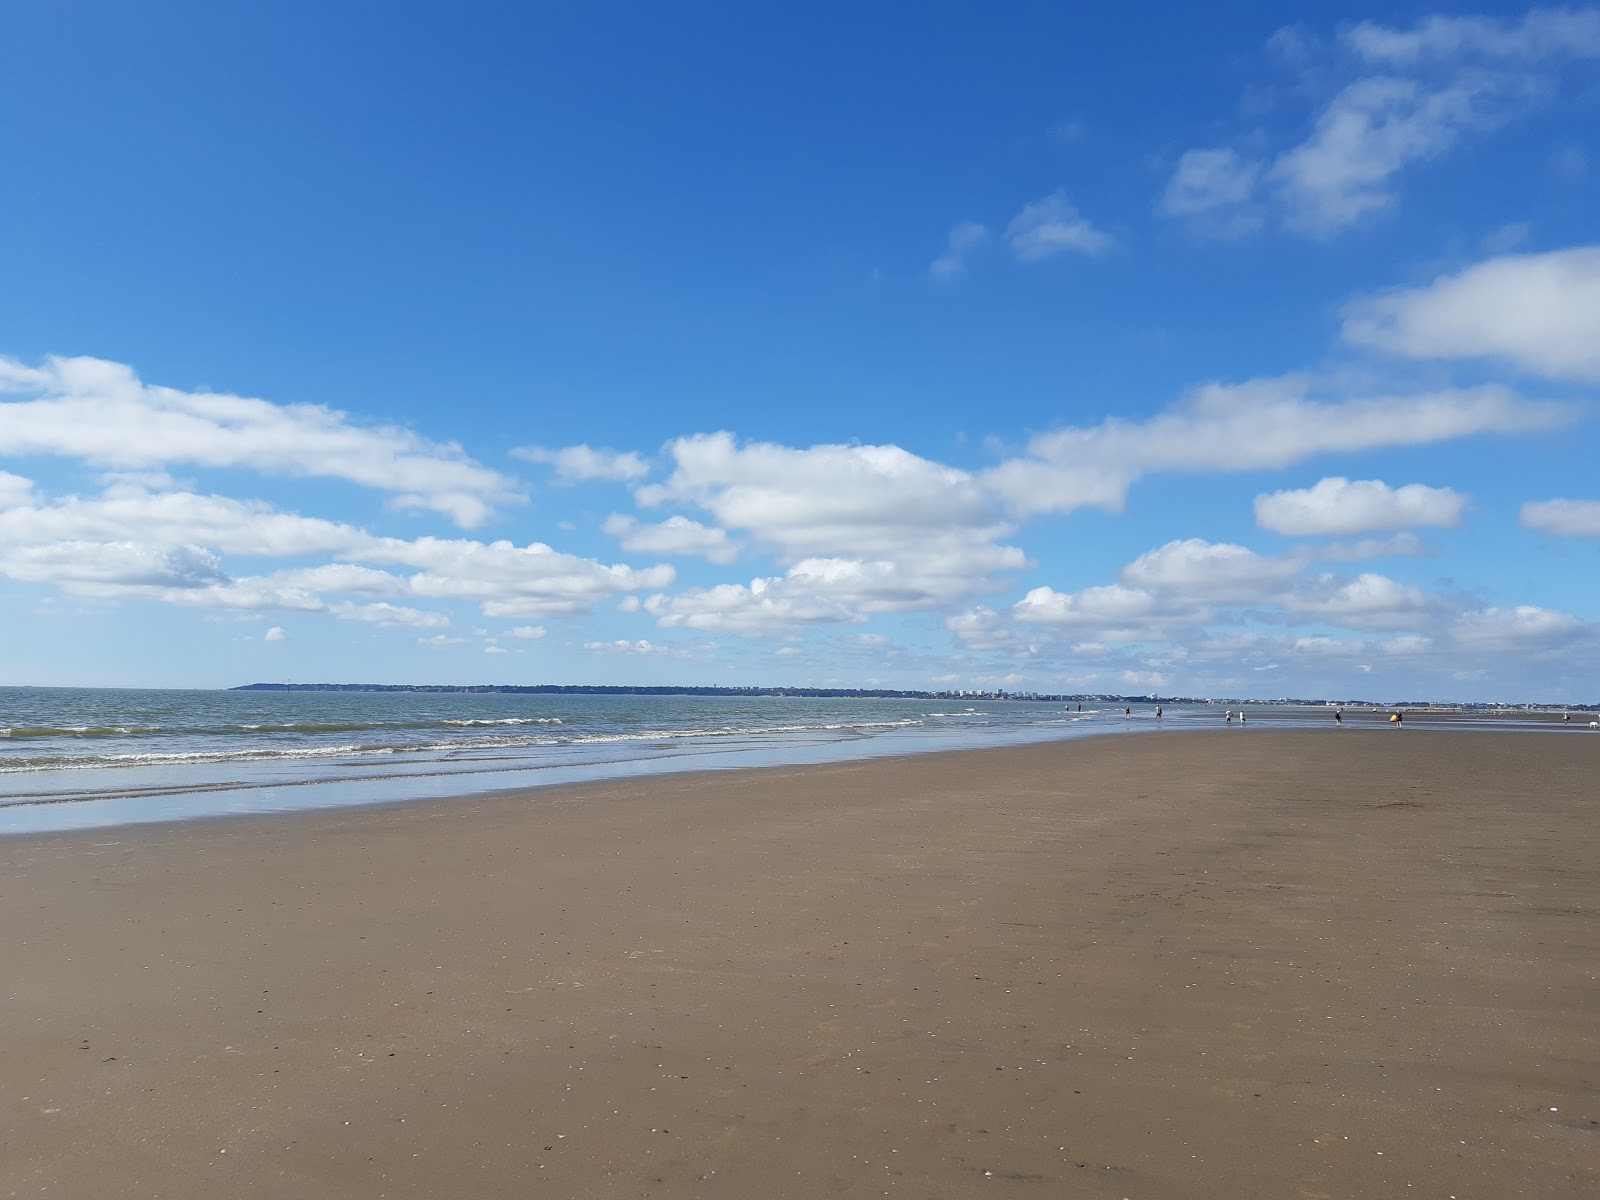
(1229, 716)
(1338, 716)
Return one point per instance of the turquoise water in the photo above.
(84, 757)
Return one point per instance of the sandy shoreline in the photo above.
(1354, 963)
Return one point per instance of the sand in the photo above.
(1213, 964)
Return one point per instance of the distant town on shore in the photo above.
(564, 689)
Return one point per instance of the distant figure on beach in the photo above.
(1158, 712)
(1241, 716)
(1229, 716)
(1396, 719)
(1127, 712)
(1080, 708)
(1566, 718)
(1338, 716)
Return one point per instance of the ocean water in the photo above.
(86, 757)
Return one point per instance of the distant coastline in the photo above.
(568, 689)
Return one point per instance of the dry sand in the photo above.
(1220, 964)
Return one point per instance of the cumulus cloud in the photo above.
(1522, 628)
(964, 239)
(1369, 601)
(861, 528)
(1264, 423)
(102, 568)
(14, 490)
(1563, 518)
(389, 616)
(171, 546)
(1398, 545)
(675, 535)
(275, 634)
(1340, 506)
(815, 591)
(510, 580)
(101, 413)
(1054, 226)
(1108, 608)
(1538, 311)
(574, 464)
(1213, 570)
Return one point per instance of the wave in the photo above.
(423, 748)
(16, 732)
(83, 731)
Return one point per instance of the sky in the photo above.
(1154, 348)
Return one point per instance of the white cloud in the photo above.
(1399, 545)
(389, 616)
(510, 580)
(227, 525)
(100, 412)
(574, 464)
(526, 632)
(275, 634)
(641, 648)
(1541, 34)
(1520, 629)
(1265, 423)
(963, 240)
(15, 491)
(1340, 506)
(1212, 570)
(826, 498)
(169, 547)
(1563, 518)
(862, 528)
(1369, 601)
(1539, 311)
(1408, 96)
(1053, 226)
(341, 577)
(1206, 181)
(762, 608)
(872, 641)
(1112, 606)
(1366, 135)
(675, 535)
(103, 568)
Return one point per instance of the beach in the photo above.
(1220, 963)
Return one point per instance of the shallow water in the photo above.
(80, 757)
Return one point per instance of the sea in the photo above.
(73, 758)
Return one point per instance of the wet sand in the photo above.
(1352, 963)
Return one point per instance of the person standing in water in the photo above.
(1158, 712)
(1338, 716)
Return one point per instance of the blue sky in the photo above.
(912, 345)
